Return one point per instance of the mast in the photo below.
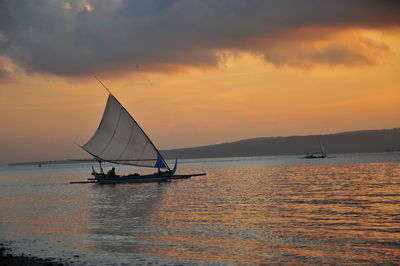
(104, 86)
(322, 148)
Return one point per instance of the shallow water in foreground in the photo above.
(343, 210)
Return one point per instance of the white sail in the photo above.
(322, 148)
(119, 139)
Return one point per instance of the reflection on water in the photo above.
(296, 214)
(123, 212)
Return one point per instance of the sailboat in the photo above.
(119, 139)
(320, 155)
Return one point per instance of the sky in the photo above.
(194, 72)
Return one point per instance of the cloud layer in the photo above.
(77, 37)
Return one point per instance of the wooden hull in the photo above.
(135, 178)
(315, 157)
(131, 180)
(128, 179)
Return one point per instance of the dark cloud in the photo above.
(79, 37)
(5, 68)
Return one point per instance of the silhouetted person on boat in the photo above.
(111, 173)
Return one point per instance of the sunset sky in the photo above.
(194, 72)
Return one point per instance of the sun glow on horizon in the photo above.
(244, 97)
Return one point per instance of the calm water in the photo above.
(343, 210)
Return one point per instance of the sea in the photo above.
(245, 211)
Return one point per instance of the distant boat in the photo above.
(120, 140)
(320, 155)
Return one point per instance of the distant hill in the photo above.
(346, 142)
(385, 140)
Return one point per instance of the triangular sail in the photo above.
(322, 148)
(119, 139)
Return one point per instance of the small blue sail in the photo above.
(160, 162)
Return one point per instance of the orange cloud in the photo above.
(310, 47)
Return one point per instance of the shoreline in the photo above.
(7, 258)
